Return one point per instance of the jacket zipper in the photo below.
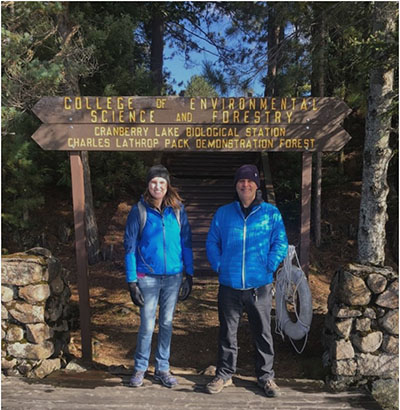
(244, 247)
(244, 253)
(165, 250)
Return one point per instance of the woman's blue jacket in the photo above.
(245, 252)
(163, 248)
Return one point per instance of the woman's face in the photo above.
(158, 187)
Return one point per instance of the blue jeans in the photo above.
(162, 290)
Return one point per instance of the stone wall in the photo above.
(361, 331)
(34, 313)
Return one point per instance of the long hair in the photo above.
(171, 198)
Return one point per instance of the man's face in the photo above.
(246, 190)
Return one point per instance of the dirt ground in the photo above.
(115, 319)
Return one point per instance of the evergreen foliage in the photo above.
(109, 52)
(199, 87)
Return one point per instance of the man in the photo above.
(245, 244)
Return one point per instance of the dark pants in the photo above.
(257, 304)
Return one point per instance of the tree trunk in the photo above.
(67, 31)
(273, 45)
(157, 50)
(377, 153)
(318, 90)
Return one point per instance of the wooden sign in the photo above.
(191, 124)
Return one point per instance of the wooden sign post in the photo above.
(76, 123)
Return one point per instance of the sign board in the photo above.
(191, 124)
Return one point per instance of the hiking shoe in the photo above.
(270, 388)
(166, 379)
(217, 384)
(136, 379)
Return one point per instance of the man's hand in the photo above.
(136, 294)
(186, 288)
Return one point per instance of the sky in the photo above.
(181, 71)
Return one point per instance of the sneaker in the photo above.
(217, 384)
(136, 379)
(270, 388)
(166, 379)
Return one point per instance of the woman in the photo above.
(157, 251)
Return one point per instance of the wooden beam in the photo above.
(306, 179)
(269, 187)
(317, 205)
(78, 200)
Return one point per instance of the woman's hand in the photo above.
(186, 288)
(136, 294)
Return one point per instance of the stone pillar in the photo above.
(34, 312)
(361, 332)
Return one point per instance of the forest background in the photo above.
(333, 49)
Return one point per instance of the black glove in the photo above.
(186, 288)
(136, 294)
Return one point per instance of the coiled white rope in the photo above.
(290, 281)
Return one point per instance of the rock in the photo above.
(363, 270)
(26, 313)
(22, 270)
(369, 343)
(54, 268)
(384, 365)
(370, 313)
(340, 383)
(4, 313)
(390, 298)
(344, 312)
(363, 325)
(7, 293)
(380, 312)
(47, 367)
(352, 290)
(24, 367)
(61, 327)
(390, 322)
(39, 251)
(38, 332)
(54, 309)
(376, 282)
(14, 333)
(34, 293)
(390, 344)
(8, 363)
(57, 285)
(74, 366)
(209, 371)
(31, 351)
(342, 349)
(344, 367)
(13, 372)
(65, 295)
(343, 328)
(386, 393)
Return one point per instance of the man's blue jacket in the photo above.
(245, 252)
(163, 248)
